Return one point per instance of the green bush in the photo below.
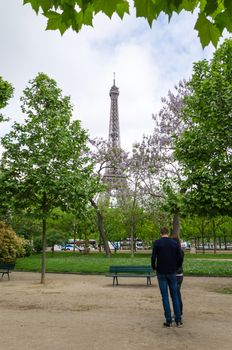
(11, 246)
(28, 249)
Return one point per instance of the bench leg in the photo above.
(148, 281)
(5, 273)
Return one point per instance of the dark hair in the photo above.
(164, 231)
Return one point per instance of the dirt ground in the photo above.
(76, 312)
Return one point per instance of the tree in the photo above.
(214, 16)
(149, 229)
(114, 224)
(225, 229)
(204, 149)
(209, 232)
(11, 246)
(6, 92)
(59, 229)
(105, 157)
(153, 159)
(44, 164)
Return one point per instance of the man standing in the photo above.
(166, 259)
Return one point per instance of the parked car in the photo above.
(70, 247)
(67, 247)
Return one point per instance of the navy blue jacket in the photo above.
(166, 256)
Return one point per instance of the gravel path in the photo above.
(77, 312)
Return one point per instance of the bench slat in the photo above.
(137, 269)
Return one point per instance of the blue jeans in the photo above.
(168, 282)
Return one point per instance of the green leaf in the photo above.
(188, 5)
(107, 7)
(46, 5)
(211, 6)
(177, 3)
(35, 4)
(68, 15)
(202, 5)
(151, 9)
(228, 6)
(223, 20)
(146, 9)
(142, 7)
(122, 9)
(207, 31)
(55, 22)
(88, 16)
(77, 22)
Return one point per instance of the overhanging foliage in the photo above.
(214, 16)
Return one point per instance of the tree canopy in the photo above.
(6, 92)
(214, 16)
(204, 149)
(44, 164)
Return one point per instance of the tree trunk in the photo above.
(203, 242)
(176, 226)
(86, 244)
(133, 226)
(101, 228)
(43, 263)
(43, 266)
(214, 238)
(74, 235)
(100, 244)
(132, 240)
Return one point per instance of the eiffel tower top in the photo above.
(114, 130)
(114, 89)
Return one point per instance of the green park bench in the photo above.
(6, 268)
(130, 271)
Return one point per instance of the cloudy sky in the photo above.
(148, 63)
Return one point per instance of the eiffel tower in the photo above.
(114, 177)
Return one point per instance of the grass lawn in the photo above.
(97, 263)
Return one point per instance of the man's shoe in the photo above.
(179, 324)
(167, 324)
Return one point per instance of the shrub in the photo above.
(11, 246)
(28, 249)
